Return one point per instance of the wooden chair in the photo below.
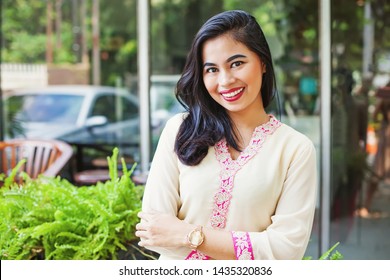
(46, 157)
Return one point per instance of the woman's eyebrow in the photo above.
(233, 57)
(208, 64)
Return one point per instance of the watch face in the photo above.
(196, 238)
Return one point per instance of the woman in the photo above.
(228, 180)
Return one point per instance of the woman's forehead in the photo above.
(223, 47)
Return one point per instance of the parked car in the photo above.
(77, 114)
(85, 114)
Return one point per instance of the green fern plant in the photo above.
(50, 218)
(331, 254)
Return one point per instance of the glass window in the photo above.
(360, 158)
(54, 43)
(360, 68)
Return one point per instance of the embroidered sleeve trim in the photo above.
(196, 255)
(242, 245)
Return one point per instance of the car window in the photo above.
(105, 106)
(129, 109)
(44, 107)
(114, 108)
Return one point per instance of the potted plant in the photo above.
(50, 218)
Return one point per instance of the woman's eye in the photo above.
(236, 64)
(211, 70)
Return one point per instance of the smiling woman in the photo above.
(234, 82)
(228, 180)
(235, 69)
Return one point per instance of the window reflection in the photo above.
(294, 44)
(45, 108)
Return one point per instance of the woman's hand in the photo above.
(162, 230)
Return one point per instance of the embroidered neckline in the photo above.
(257, 140)
(230, 167)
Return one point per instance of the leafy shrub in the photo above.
(50, 218)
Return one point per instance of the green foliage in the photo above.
(52, 219)
(331, 254)
(25, 47)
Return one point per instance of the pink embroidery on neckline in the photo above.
(230, 167)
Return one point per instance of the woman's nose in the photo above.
(225, 78)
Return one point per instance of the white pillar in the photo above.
(325, 79)
(95, 43)
(144, 81)
(368, 40)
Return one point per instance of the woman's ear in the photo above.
(263, 67)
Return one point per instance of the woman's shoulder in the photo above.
(289, 130)
(294, 137)
(171, 128)
(172, 125)
(293, 144)
(176, 120)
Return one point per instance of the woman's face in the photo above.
(232, 75)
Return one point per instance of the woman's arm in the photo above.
(161, 192)
(167, 231)
(159, 229)
(289, 233)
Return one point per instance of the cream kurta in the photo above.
(273, 195)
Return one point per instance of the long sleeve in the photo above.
(288, 234)
(162, 187)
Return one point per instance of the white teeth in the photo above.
(232, 94)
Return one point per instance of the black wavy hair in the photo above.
(207, 121)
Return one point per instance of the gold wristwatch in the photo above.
(196, 237)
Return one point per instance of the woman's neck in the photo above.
(249, 121)
(244, 125)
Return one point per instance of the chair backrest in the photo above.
(46, 157)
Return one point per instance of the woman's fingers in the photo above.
(142, 228)
(148, 215)
(157, 229)
(141, 233)
(144, 216)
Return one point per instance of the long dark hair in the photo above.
(207, 121)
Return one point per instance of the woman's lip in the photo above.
(232, 94)
(230, 90)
